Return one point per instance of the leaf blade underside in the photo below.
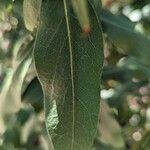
(69, 65)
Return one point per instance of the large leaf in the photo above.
(69, 65)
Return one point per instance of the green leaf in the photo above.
(34, 95)
(121, 32)
(110, 131)
(31, 11)
(135, 68)
(69, 65)
(80, 9)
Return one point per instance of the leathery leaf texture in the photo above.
(69, 64)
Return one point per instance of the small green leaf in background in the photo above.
(69, 67)
(121, 32)
(109, 128)
(34, 95)
(31, 11)
(80, 9)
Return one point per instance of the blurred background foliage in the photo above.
(124, 122)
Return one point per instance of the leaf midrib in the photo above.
(71, 71)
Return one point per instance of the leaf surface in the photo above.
(69, 65)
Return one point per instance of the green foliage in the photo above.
(51, 63)
(69, 66)
(122, 34)
(31, 12)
